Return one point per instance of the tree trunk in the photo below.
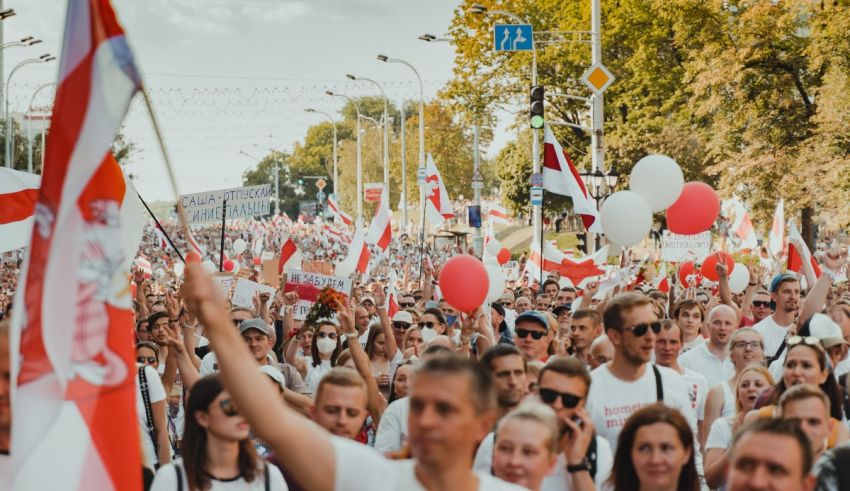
(807, 225)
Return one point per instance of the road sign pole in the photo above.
(597, 108)
(403, 173)
(477, 240)
(537, 211)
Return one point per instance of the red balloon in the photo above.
(685, 269)
(228, 265)
(695, 211)
(708, 266)
(504, 255)
(257, 261)
(193, 257)
(464, 282)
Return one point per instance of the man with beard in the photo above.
(508, 369)
(712, 358)
(785, 294)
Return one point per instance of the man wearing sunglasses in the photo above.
(532, 335)
(760, 306)
(629, 381)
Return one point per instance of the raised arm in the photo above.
(724, 290)
(386, 325)
(181, 357)
(314, 464)
(375, 401)
(833, 260)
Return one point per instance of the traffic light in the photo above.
(300, 179)
(582, 242)
(536, 114)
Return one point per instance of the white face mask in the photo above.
(428, 333)
(326, 346)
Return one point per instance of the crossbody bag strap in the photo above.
(659, 388)
(592, 456)
(179, 470)
(146, 399)
(268, 479)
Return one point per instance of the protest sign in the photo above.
(320, 267)
(308, 285)
(270, 272)
(372, 191)
(511, 270)
(678, 248)
(245, 202)
(243, 293)
(225, 282)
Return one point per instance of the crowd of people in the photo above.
(548, 388)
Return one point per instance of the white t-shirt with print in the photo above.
(156, 393)
(697, 387)
(362, 468)
(166, 480)
(772, 333)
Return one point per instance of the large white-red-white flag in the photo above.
(560, 176)
(662, 282)
(579, 272)
(75, 424)
(290, 256)
(776, 237)
(18, 194)
(380, 229)
(437, 204)
(798, 251)
(337, 212)
(358, 255)
(498, 214)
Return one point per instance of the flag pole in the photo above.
(542, 196)
(159, 226)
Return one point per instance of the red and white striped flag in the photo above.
(159, 238)
(344, 217)
(290, 256)
(143, 264)
(76, 425)
(358, 255)
(578, 272)
(194, 245)
(392, 296)
(437, 203)
(499, 214)
(662, 282)
(561, 177)
(744, 235)
(380, 230)
(18, 194)
(798, 251)
(776, 238)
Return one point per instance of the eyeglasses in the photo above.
(761, 304)
(406, 305)
(331, 335)
(807, 340)
(524, 333)
(146, 360)
(641, 329)
(748, 344)
(228, 407)
(401, 325)
(549, 396)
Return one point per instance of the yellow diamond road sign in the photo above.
(597, 78)
(321, 184)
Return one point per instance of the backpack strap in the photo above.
(268, 479)
(841, 461)
(778, 353)
(592, 457)
(659, 387)
(146, 399)
(179, 471)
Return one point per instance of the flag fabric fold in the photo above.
(437, 204)
(498, 214)
(337, 212)
(18, 194)
(798, 251)
(358, 255)
(579, 272)
(290, 256)
(380, 230)
(560, 176)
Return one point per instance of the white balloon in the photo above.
(626, 218)
(492, 248)
(497, 282)
(490, 260)
(179, 268)
(239, 246)
(658, 179)
(739, 278)
(209, 266)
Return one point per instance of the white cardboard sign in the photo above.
(244, 202)
(243, 294)
(678, 248)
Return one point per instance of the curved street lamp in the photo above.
(29, 128)
(10, 133)
(359, 155)
(386, 128)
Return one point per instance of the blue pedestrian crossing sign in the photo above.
(513, 37)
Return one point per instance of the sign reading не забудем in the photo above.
(246, 202)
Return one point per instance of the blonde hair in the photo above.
(538, 413)
(751, 368)
(804, 391)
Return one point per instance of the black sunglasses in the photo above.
(406, 305)
(429, 325)
(146, 360)
(549, 396)
(641, 329)
(401, 325)
(524, 333)
(228, 407)
(331, 335)
(761, 304)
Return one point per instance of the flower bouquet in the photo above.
(325, 305)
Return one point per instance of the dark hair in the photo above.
(405, 363)
(435, 348)
(498, 351)
(612, 317)
(687, 304)
(149, 345)
(567, 366)
(668, 324)
(194, 449)
(548, 282)
(829, 386)
(623, 474)
(436, 313)
(155, 317)
(374, 331)
(314, 349)
(482, 391)
(781, 427)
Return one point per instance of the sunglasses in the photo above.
(524, 333)
(401, 325)
(331, 335)
(429, 325)
(406, 305)
(146, 360)
(748, 344)
(807, 340)
(228, 407)
(549, 396)
(641, 329)
(761, 304)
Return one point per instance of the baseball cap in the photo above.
(781, 278)
(825, 329)
(403, 316)
(560, 309)
(366, 298)
(257, 324)
(532, 316)
(275, 375)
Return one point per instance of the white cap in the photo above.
(825, 329)
(275, 374)
(403, 316)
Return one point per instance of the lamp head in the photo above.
(26, 39)
(427, 37)
(328, 92)
(6, 13)
(33, 41)
(44, 56)
(310, 110)
(350, 76)
(383, 58)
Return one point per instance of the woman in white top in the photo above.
(753, 380)
(217, 450)
(746, 348)
(324, 351)
(526, 445)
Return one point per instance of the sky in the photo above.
(231, 76)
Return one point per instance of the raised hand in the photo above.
(201, 295)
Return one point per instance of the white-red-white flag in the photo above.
(18, 194)
(358, 255)
(662, 282)
(776, 237)
(742, 233)
(437, 204)
(561, 177)
(380, 230)
(499, 214)
(194, 245)
(290, 256)
(579, 272)
(76, 425)
(798, 251)
(392, 296)
(337, 212)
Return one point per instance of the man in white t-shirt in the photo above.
(629, 381)
(785, 294)
(667, 348)
(712, 357)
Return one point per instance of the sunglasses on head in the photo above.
(762, 304)
(807, 340)
(228, 407)
(641, 329)
(331, 335)
(524, 333)
(549, 396)
(401, 325)
(146, 360)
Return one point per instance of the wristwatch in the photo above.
(584, 465)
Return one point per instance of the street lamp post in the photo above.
(10, 133)
(359, 156)
(421, 171)
(336, 175)
(26, 41)
(29, 125)
(386, 129)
